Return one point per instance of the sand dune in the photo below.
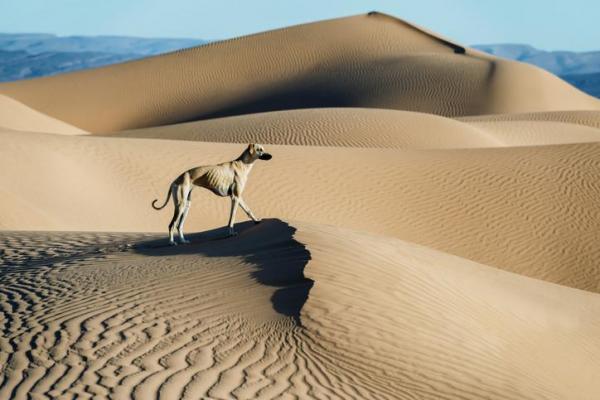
(346, 127)
(362, 127)
(465, 202)
(443, 243)
(17, 116)
(379, 318)
(372, 61)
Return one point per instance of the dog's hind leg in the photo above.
(248, 211)
(186, 208)
(177, 213)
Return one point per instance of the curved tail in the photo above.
(166, 200)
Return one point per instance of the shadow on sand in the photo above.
(270, 246)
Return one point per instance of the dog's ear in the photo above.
(252, 149)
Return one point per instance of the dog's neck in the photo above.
(246, 158)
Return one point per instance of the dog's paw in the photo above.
(172, 243)
(185, 241)
(257, 221)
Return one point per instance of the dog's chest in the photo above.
(220, 181)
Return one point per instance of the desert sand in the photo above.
(431, 224)
(18, 116)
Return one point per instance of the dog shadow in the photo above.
(270, 246)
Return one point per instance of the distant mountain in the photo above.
(589, 83)
(557, 62)
(582, 70)
(31, 55)
(36, 43)
(21, 65)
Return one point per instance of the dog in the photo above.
(225, 179)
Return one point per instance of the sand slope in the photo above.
(583, 117)
(536, 133)
(114, 315)
(17, 116)
(363, 61)
(423, 324)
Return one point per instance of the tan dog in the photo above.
(225, 179)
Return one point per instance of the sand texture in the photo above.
(431, 224)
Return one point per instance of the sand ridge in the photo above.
(214, 330)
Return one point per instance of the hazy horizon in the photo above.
(545, 25)
(208, 40)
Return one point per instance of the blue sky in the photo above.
(546, 24)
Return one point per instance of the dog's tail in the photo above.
(166, 200)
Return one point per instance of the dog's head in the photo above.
(258, 151)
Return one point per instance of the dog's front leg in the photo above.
(248, 211)
(235, 201)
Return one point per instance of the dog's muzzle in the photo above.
(265, 156)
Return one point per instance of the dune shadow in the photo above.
(379, 83)
(270, 246)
